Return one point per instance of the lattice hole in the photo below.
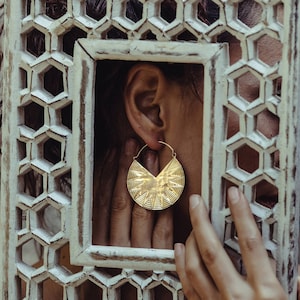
(31, 183)
(35, 42)
(128, 292)
(63, 255)
(168, 10)
(66, 116)
(267, 124)
(51, 290)
(20, 219)
(115, 33)
(52, 151)
(63, 183)
(274, 232)
(49, 219)
(70, 38)
(28, 5)
(22, 150)
(275, 159)
(161, 292)
(213, 12)
(95, 9)
(278, 11)
(89, 290)
(243, 12)
(247, 158)
(34, 116)
(269, 55)
(266, 194)
(22, 287)
(149, 35)
(134, 11)
(32, 254)
(56, 8)
(53, 81)
(24, 81)
(277, 87)
(233, 123)
(236, 259)
(235, 50)
(186, 36)
(248, 86)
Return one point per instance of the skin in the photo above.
(203, 264)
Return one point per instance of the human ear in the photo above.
(143, 95)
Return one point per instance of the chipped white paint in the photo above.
(21, 222)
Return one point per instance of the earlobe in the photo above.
(143, 95)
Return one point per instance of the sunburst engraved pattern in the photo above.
(156, 193)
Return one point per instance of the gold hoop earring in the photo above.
(156, 193)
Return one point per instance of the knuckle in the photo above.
(119, 203)
(209, 255)
(270, 290)
(140, 212)
(251, 243)
(191, 269)
(238, 295)
(162, 233)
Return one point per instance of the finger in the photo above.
(104, 182)
(254, 255)
(121, 200)
(211, 250)
(188, 290)
(163, 230)
(142, 226)
(142, 219)
(197, 273)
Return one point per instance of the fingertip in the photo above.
(234, 195)
(179, 254)
(194, 201)
(178, 249)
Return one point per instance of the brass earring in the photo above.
(156, 193)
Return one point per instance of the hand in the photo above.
(206, 271)
(130, 224)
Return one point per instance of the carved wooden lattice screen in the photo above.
(38, 95)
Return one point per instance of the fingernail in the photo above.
(178, 248)
(194, 201)
(233, 195)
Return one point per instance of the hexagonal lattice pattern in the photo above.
(247, 158)
(35, 42)
(70, 38)
(248, 86)
(31, 183)
(56, 9)
(274, 54)
(45, 123)
(53, 81)
(242, 15)
(34, 115)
